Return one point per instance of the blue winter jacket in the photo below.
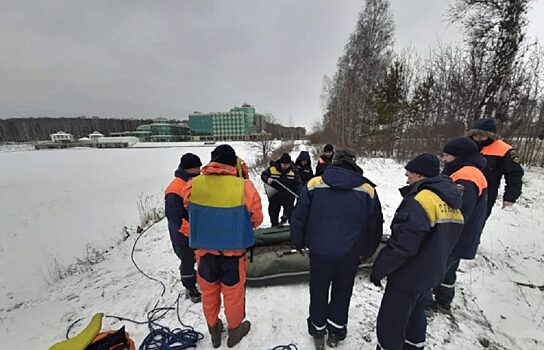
(338, 215)
(424, 231)
(474, 207)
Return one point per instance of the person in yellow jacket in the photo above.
(223, 210)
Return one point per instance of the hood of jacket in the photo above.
(304, 155)
(342, 178)
(214, 168)
(442, 185)
(183, 175)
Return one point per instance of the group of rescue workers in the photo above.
(438, 223)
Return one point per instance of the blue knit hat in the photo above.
(462, 147)
(488, 125)
(425, 164)
(484, 127)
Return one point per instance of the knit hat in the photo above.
(343, 154)
(328, 148)
(285, 158)
(189, 160)
(485, 127)
(462, 147)
(224, 154)
(425, 164)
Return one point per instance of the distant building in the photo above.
(116, 142)
(95, 135)
(240, 123)
(62, 137)
(161, 130)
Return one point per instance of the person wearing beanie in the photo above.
(423, 166)
(223, 209)
(502, 160)
(338, 217)
(424, 232)
(465, 165)
(284, 185)
(304, 166)
(325, 159)
(178, 226)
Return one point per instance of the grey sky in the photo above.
(129, 58)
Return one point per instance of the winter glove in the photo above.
(375, 279)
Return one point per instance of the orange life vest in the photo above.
(473, 174)
(498, 148)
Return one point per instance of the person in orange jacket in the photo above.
(502, 159)
(223, 210)
(178, 227)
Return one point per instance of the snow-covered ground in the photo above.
(56, 203)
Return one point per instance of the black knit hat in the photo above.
(328, 148)
(462, 147)
(488, 125)
(224, 154)
(285, 158)
(425, 164)
(189, 160)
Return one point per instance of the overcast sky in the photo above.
(129, 58)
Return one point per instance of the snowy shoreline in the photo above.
(495, 306)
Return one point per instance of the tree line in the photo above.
(383, 103)
(39, 129)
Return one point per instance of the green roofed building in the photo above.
(161, 130)
(240, 123)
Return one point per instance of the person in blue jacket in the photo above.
(424, 231)
(338, 217)
(465, 165)
(178, 226)
(304, 167)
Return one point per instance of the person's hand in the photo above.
(270, 181)
(377, 281)
(507, 204)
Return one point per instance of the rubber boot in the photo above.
(444, 309)
(215, 333)
(319, 342)
(236, 334)
(194, 294)
(332, 342)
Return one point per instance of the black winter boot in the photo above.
(215, 333)
(332, 342)
(236, 334)
(194, 294)
(319, 342)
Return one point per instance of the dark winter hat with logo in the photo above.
(484, 127)
(285, 158)
(189, 160)
(224, 154)
(462, 147)
(425, 164)
(328, 148)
